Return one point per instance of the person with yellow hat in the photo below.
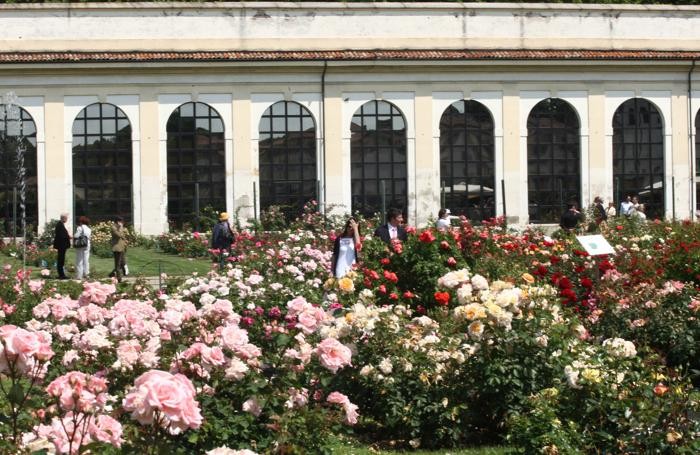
(222, 235)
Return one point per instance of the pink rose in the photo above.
(233, 337)
(350, 409)
(252, 405)
(105, 429)
(172, 395)
(333, 355)
(19, 341)
(213, 356)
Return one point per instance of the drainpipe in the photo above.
(323, 132)
(690, 140)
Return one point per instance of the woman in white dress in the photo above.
(345, 249)
(82, 253)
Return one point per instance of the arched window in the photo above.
(378, 154)
(638, 155)
(287, 157)
(553, 160)
(102, 161)
(467, 160)
(14, 134)
(196, 162)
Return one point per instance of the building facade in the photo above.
(151, 111)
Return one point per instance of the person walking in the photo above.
(346, 248)
(392, 229)
(222, 236)
(119, 242)
(443, 221)
(81, 243)
(61, 242)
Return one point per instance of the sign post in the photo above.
(595, 246)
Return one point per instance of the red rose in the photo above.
(451, 261)
(618, 227)
(565, 283)
(444, 245)
(408, 295)
(391, 276)
(586, 282)
(394, 296)
(382, 289)
(442, 298)
(385, 261)
(426, 236)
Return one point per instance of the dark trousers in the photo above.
(118, 264)
(60, 262)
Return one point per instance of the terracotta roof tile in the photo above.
(340, 55)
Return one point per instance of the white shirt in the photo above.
(346, 256)
(626, 207)
(393, 231)
(443, 223)
(85, 230)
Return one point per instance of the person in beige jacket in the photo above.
(119, 235)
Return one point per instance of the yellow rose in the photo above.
(673, 437)
(591, 375)
(346, 285)
(528, 278)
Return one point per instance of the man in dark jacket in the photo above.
(570, 219)
(61, 242)
(222, 237)
(392, 229)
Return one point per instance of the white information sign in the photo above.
(595, 245)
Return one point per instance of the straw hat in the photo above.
(223, 216)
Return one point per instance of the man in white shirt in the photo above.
(626, 206)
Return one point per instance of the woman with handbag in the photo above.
(81, 243)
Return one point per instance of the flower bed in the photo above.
(472, 336)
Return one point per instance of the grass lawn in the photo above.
(141, 262)
(349, 446)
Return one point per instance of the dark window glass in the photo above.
(467, 160)
(196, 156)
(553, 160)
(17, 133)
(287, 157)
(102, 159)
(378, 154)
(638, 155)
(697, 160)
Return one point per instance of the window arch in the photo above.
(553, 160)
(102, 163)
(638, 154)
(467, 157)
(196, 154)
(378, 153)
(11, 132)
(287, 157)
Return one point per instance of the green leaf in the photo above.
(282, 340)
(16, 394)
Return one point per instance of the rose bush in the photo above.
(466, 336)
